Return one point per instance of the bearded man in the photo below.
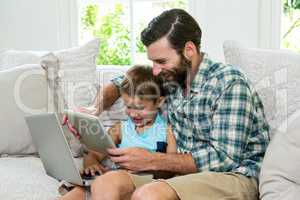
(215, 113)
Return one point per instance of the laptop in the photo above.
(53, 148)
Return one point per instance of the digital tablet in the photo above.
(91, 130)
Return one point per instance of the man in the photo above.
(215, 113)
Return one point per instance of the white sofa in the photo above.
(23, 177)
(25, 90)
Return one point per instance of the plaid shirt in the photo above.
(220, 121)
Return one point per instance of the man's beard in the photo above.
(178, 75)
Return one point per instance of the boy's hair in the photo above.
(140, 81)
(177, 25)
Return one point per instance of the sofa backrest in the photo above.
(105, 73)
(276, 76)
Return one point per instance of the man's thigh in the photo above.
(214, 186)
(208, 186)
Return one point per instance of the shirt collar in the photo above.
(203, 72)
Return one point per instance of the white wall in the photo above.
(254, 23)
(51, 24)
(36, 24)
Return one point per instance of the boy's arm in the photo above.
(91, 163)
(92, 158)
(171, 140)
(115, 133)
(171, 148)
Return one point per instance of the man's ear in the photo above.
(189, 50)
(160, 101)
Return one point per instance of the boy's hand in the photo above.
(71, 128)
(93, 169)
(89, 110)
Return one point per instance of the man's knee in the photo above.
(155, 191)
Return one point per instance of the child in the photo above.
(145, 127)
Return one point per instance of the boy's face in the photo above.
(142, 112)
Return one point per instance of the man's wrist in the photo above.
(177, 163)
(155, 160)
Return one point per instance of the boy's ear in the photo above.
(160, 101)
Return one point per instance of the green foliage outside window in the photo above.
(113, 34)
(291, 36)
(115, 45)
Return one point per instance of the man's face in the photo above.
(166, 62)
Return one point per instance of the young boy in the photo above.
(145, 127)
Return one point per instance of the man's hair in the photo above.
(140, 81)
(177, 25)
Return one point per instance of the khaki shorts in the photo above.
(208, 186)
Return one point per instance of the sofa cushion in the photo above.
(25, 178)
(23, 95)
(74, 72)
(71, 76)
(280, 175)
(23, 91)
(275, 74)
(11, 58)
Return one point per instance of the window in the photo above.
(118, 24)
(291, 25)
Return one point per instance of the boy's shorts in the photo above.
(208, 186)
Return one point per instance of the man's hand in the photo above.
(132, 159)
(138, 160)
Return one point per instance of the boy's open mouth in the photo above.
(137, 120)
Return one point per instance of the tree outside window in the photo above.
(291, 25)
(117, 24)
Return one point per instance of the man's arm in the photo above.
(177, 163)
(138, 159)
(105, 98)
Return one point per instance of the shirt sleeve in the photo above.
(118, 81)
(232, 130)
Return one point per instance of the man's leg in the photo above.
(78, 193)
(200, 186)
(113, 185)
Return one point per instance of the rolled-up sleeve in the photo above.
(118, 81)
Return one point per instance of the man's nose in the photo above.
(156, 70)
